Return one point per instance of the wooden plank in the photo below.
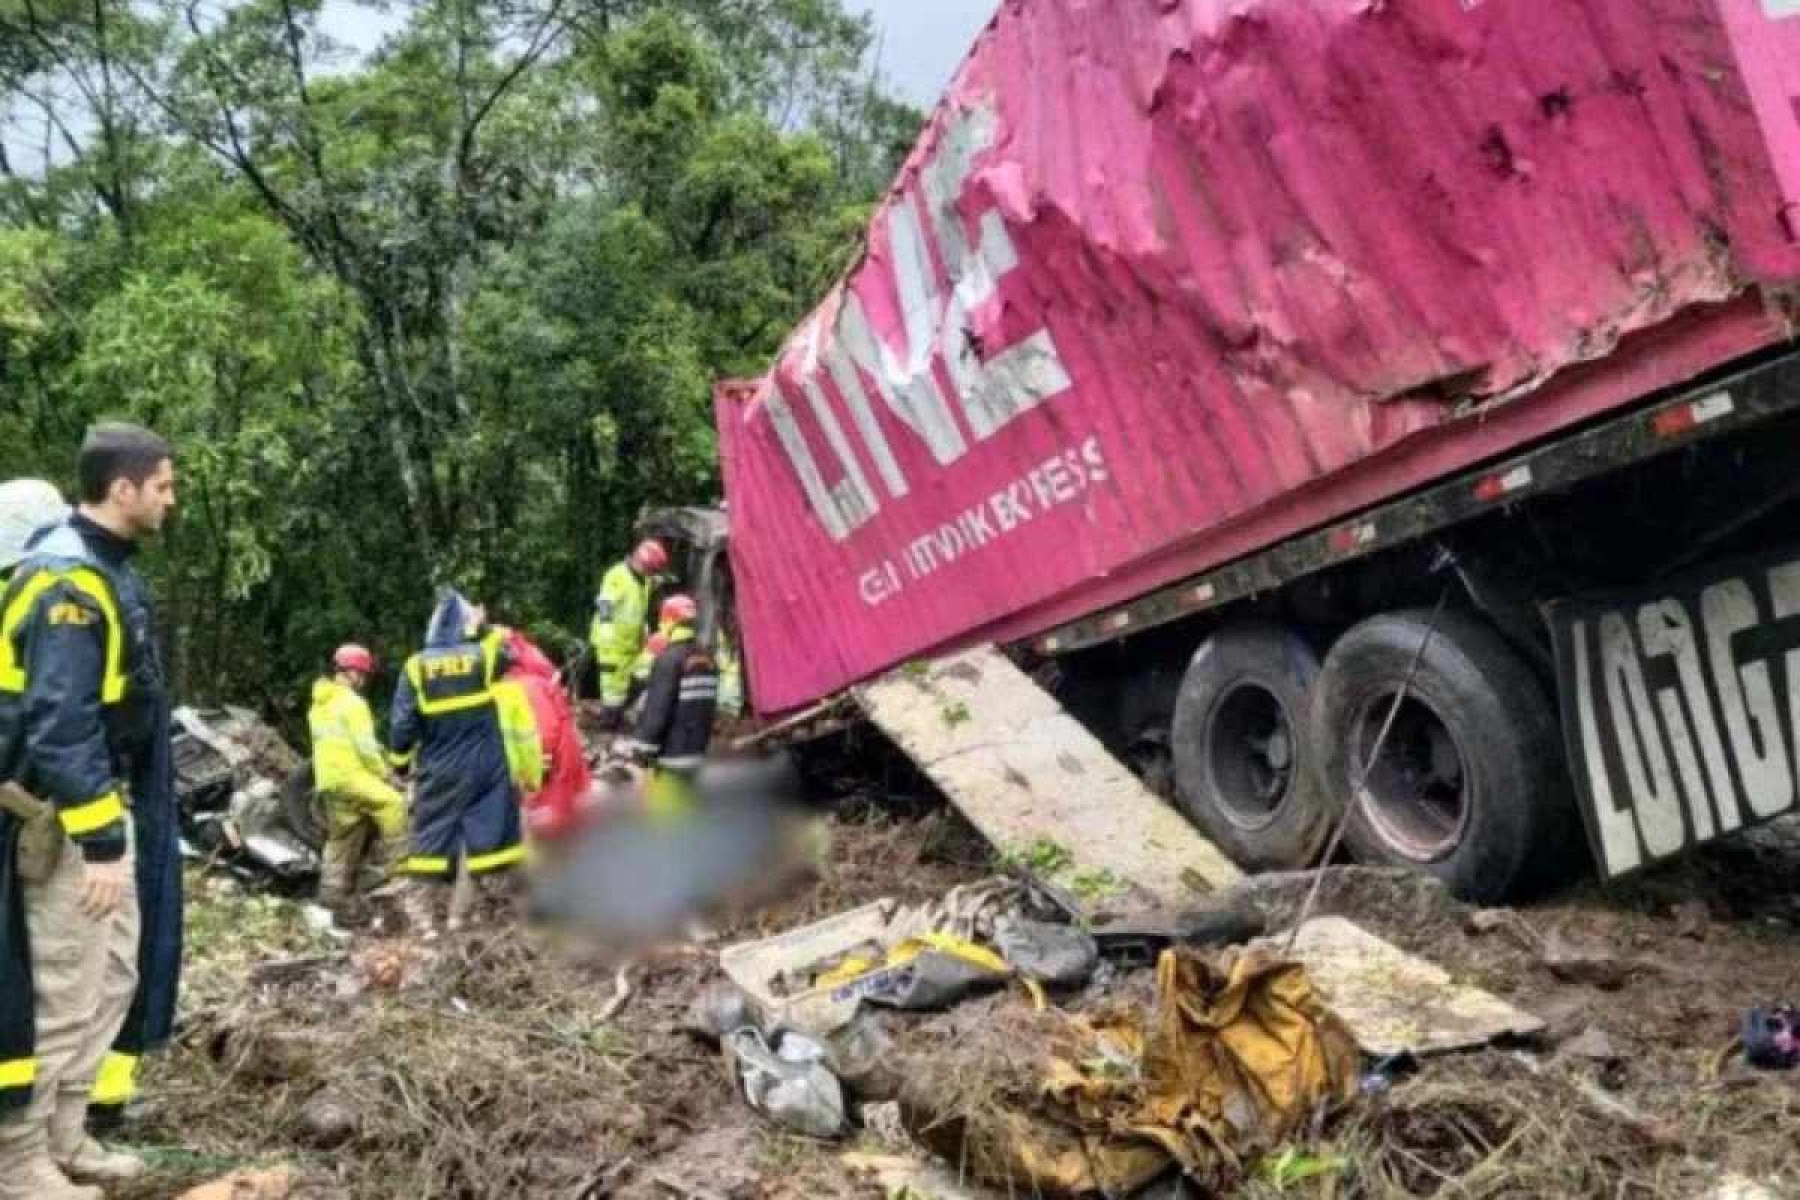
(1027, 774)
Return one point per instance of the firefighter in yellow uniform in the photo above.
(350, 775)
(621, 611)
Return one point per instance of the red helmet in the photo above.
(650, 557)
(352, 657)
(679, 610)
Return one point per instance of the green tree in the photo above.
(450, 313)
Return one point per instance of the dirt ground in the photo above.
(492, 1068)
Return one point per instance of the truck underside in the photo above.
(1254, 694)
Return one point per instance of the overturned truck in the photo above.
(1246, 366)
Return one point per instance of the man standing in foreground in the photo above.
(90, 915)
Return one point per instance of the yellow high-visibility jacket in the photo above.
(620, 612)
(520, 736)
(347, 759)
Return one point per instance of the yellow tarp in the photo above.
(1232, 1060)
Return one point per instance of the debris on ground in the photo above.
(245, 801)
(486, 1066)
(785, 1077)
(1058, 955)
(1231, 1059)
(1593, 1044)
(1394, 1002)
(921, 957)
(1576, 962)
(909, 1176)
(1772, 1037)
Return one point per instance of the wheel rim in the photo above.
(1250, 756)
(1417, 796)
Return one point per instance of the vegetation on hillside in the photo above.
(446, 312)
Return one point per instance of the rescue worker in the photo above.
(350, 775)
(676, 725)
(621, 611)
(640, 671)
(28, 509)
(90, 916)
(465, 811)
(556, 806)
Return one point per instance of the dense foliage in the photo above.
(444, 312)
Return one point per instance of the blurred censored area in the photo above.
(663, 852)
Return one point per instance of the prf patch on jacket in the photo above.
(451, 666)
(67, 612)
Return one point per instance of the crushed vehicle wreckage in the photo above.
(246, 798)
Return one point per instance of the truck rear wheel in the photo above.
(1470, 786)
(1242, 769)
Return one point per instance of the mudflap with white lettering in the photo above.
(1679, 707)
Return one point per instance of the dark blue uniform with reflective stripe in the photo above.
(463, 803)
(84, 724)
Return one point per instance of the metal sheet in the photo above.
(1393, 1001)
(1165, 281)
(1027, 774)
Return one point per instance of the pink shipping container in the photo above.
(1166, 282)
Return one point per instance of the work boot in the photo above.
(464, 898)
(336, 884)
(418, 901)
(94, 1163)
(39, 1178)
(81, 1156)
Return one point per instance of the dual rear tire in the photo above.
(1269, 745)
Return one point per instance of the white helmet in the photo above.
(26, 506)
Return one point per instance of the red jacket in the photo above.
(559, 805)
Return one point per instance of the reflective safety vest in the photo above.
(61, 573)
(457, 678)
(620, 612)
(21, 597)
(57, 562)
(519, 732)
(465, 677)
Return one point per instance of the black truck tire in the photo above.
(1242, 761)
(301, 808)
(1471, 786)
